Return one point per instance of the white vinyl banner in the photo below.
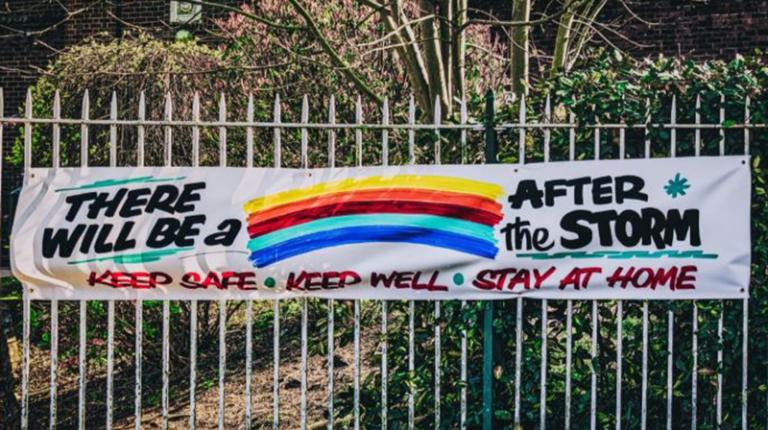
(675, 228)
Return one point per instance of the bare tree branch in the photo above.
(252, 16)
(519, 23)
(343, 66)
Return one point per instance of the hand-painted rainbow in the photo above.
(441, 211)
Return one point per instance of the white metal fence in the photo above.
(486, 128)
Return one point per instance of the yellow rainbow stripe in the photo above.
(436, 183)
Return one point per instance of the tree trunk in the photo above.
(582, 31)
(459, 49)
(521, 12)
(433, 57)
(562, 44)
(445, 24)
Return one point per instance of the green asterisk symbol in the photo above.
(677, 186)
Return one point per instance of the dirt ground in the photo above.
(207, 384)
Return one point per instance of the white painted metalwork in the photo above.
(670, 313)
(695, 367)
(222, 359)
(619, 358)
(168, 124)
(248, 362)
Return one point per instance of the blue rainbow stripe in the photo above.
(373, 233)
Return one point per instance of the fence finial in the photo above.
(84, 129)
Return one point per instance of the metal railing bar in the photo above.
(222, 361)
(670, 313)
(372, 126)
(277, 151)
(331, 343)
(166, 358)
(745, 308)
(463, 365)
(82, 365)
(619, 358)
(54, 362)
(437, 120)
(695, 365)
(248, 362)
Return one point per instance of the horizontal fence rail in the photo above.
(562, 363)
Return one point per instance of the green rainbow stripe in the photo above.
(144, 257)
(451, 225)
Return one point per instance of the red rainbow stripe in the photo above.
(388, 195)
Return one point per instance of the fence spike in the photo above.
(359, 131)
(411, 130)
(140, 130)
(746, 125)
(86, 107)
(222, 131)
(521, 131)
(697, 130)
(571, 135)
(437, 120)
(385, 132)
(547, 131)
(28, 133)
(332, 133)
(673, 130)
(622, 130)
(463, 117)
(249, 133)
(113, 131)
(56, 130)
(647, 131)
(168, 130)
(196, 129)
(276, 114)
(304, 136)
(722, 122)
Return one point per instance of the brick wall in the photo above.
(698, 29)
